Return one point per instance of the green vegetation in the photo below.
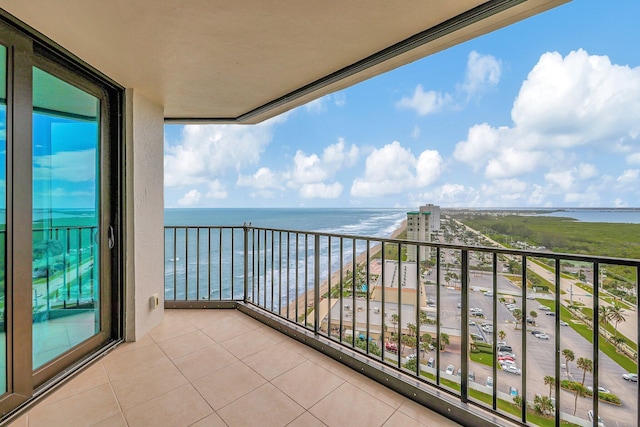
(568, 236)
(604, 397)
(606, 347)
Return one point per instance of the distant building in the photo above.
(420, 226)
(406, 274)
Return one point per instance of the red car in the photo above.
(391, 347)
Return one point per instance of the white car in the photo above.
(630, 377)
(512, 369)
(506, 362)
(563, 323)
(531, 297)
(600, 389)
(542, 336)
(590, 414)
(544, 308)
(449, 370)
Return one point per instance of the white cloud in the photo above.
(264, 178)
(320, 105)
(633, 158)
(425, 102)
(586, 199)
(207, 152)
(511, 163)
(321, 190)
(565, 103)
(482, 71)
(191, 198)
(587, 171)
(629, 176)
(561, 179)
(71, 166)
(392, 169)
(216, 190)
(481, 144)
(577, 100)
(310, 171)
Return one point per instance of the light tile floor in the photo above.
(217, 368)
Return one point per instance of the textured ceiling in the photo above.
(206, 59)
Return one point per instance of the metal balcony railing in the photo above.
(525, 335)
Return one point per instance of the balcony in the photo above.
(222, 367)
(284, 327)
(387, 316)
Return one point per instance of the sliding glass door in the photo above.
(66, 210)
(59, 214)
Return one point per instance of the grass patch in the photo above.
(607, 348)
(484, 358)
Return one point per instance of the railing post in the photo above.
(316, 283)
(246, 262)
(464, 339)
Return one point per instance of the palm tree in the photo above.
(586, 365)
(444, 341)
(616, 315)
(517, 314)
(412, 329)
(533, 315)
(551, 382)
(604, 316)
(569, 356)
(394, 320)
(579, 390)
(502, 334)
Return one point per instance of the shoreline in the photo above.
(334, 278)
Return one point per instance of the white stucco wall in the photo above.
(144, 133)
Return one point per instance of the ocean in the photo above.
(197, 273)
(214, 273)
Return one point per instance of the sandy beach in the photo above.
(335, 279)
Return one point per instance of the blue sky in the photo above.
(544, 113)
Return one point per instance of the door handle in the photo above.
(111, 237)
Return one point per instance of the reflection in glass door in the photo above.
(65, 286)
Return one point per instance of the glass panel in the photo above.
(3, 216)
(65, 216)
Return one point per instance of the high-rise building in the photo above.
(420, 226)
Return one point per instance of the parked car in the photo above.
(472, 376)
(488, 293)
(630, 377)
(544, 308)
(489, 382)
(600, 389)
(550, 313)
(513, 391)
(477, 337)
(535, 332)
(512, 369)
(590, 414)
(391, 347)
(431, 362)
(531, 296)
(449, 370)
(504, 363)
(563, 323)
(506, 353)
(542, 336)
(505, 348)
